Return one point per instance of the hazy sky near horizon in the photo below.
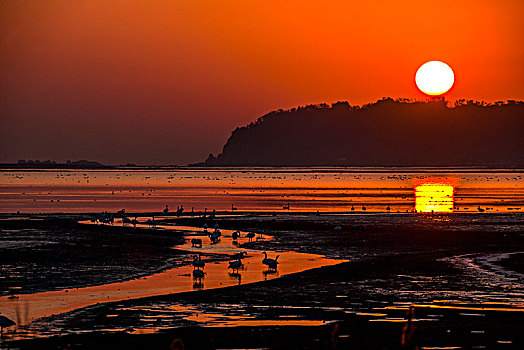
(165, 82)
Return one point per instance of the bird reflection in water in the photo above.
(267, 273)
(198, 275)
(198, 284)
(236, 276)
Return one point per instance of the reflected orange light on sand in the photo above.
(434, 197)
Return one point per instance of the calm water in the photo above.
(174, 280)
(264, 189)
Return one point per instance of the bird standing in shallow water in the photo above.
(196, 242)
(235, 264)
(198, 262)
(272, 264)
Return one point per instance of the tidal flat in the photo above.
(459, 271)
(366, 257)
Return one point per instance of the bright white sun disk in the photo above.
(434, 78)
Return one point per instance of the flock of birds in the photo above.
(198, 263)
(108, 218)
(235, 263)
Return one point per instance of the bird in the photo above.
(352, 208)
(126, 220)
(235, 264)
(233, 207)
(166, 210)
(388, 208)
(134, 221)
(151, 222)
(250, 235)
(271, 263)
(480, 209)
(214, 237)
(236, 235)
(4, 323)
(196, 242)
(363, 207)
(198, 262)
(205, 227)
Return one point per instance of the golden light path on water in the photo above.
(175, 280)
(434, 198)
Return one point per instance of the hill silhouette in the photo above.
(385, 133)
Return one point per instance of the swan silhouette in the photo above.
(271, 263)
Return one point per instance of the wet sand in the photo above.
(173, 280)
(432, 261)
(44, 253)
(513, 262)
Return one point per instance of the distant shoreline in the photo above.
(281, 169)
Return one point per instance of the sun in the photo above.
(434, 78)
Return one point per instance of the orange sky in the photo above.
(167, 81)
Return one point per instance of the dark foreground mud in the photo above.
(358, 333)
(55, 253)
(433, 262)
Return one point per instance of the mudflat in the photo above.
(460, 272)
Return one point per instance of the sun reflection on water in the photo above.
(434, 197)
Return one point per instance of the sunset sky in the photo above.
(165, 82)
